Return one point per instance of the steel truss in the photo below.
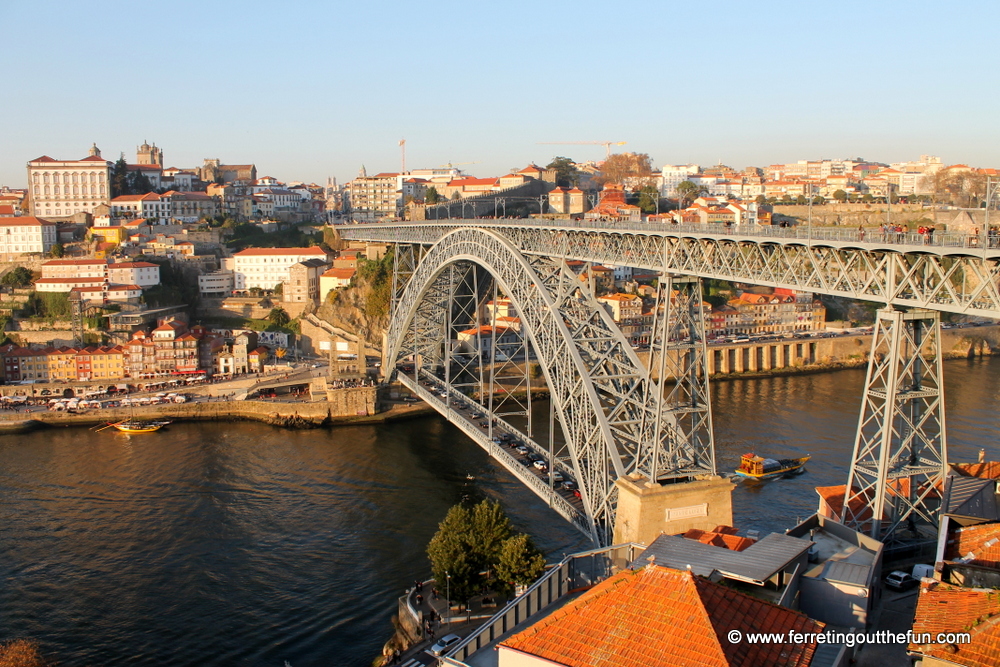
(950, 279)
(901, 449)
(609, 409)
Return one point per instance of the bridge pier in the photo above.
(901, 448)
(646, 509)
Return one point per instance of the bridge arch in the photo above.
(601, 392)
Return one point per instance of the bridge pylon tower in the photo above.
(901, 448)
(678, 352)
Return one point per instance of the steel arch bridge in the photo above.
(615, 418)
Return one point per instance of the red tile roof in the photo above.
(984, 470)
(945, 608)
(74, 262)
(250, 252)
(981, 542)
(658, 616)
(26, 221)
(343, 274)
(132, 265)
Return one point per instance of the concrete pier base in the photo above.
(647, 509)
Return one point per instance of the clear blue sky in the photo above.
(311, 89)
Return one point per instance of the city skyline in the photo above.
(321, 91)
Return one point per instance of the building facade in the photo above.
(65, 187)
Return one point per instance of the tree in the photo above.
(688, 191)
(19, 276)
(649, 198)
(840, 196)
(449, 554)
(278, 317)
(518, 564)
(819, 200)
(431, 196)
(761, 200)
(57, 250)
(801, 199)
(566, 172)
(119, 178)
(490, 527)
(138, 183)
(868, 199)
(623, 167)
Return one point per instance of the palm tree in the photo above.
(278, 317)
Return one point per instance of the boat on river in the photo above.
(758, 467)
(132, 426)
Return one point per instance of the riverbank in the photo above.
(288, 415)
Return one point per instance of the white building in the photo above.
(220, 283)
(75, 268)
(268, 267)
(149, 205)
(68, 284)
(66, 187)
(673, 175)
(143, 274)
(26, 234)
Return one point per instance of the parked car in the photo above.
(444, 644)
(900, 581)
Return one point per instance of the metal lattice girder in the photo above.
(678, 351)
(597, 384)
(901, 450)
(945, 278)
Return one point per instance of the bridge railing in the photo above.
(531, 480)
(574, 573)
(867, 236)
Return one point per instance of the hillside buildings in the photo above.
(266, 268)
(26, 234)
(62, 188)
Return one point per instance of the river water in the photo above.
(244, 544)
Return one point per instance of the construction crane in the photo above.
(607, 144)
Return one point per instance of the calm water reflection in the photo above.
(242, 544)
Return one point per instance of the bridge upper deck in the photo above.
(871, 239)
(950, 272)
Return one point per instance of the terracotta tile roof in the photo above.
(44, 158)
(945, 608)
(981, 542)
(26, 221)
(984, 470)
(132, 265)
(659, 616)
(92, 158)
(249, 252)
(342, 274)
(74, 262)
(721, 536)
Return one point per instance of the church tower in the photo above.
(147, 154)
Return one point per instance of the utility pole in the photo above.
(402, 151)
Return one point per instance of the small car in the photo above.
(444, 644)
(522, 449)
(540, 465)
(557, 476)
(900, 581)
(569, 485)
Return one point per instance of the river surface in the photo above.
(244, 544)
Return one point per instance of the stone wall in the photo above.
(872, 215)
(345, 403)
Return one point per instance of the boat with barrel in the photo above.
(753, 466)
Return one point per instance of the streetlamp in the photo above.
(447, 596)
